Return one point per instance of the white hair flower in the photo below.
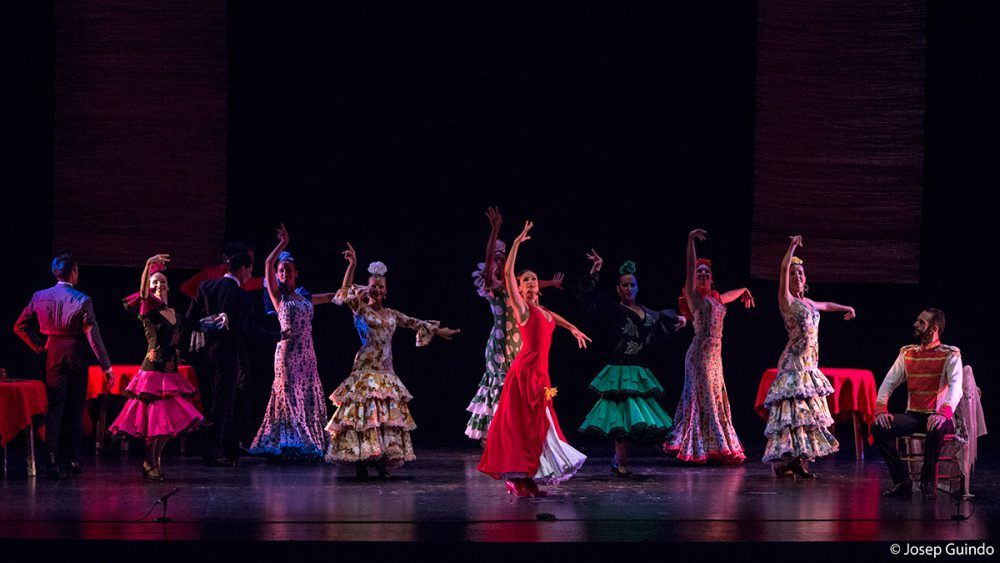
(377, 269)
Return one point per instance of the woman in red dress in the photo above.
(524, 441)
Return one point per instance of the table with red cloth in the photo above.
(123, 376)
(20, 399)
(854, 393)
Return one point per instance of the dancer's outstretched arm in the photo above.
(144, 282)
(784, 294)
(831, 307)
(510, 276)
(690, 294)
(581, 338)
(270, 264)
(352, 264)
(491, 248)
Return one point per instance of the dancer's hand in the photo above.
(698, 234)
(747, 299)
(283, 235)
(795, 241)
(849, 314)
(682, 322)
(350, 256)
(595, 261)
(524, 234)
(935, 421)
(109, 379)
(557, 280)
(581, 338)
(884, 420)
(493, 214)
(158, 259)
(447, 333)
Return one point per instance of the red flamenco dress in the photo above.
(157, 402)
(524, 438)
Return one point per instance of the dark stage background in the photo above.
(619, 128)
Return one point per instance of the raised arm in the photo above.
(510, 276)
(270, 274)
(352, 264)
(784, 294)
(690, 295)
(581, 338)
(491, 248)
(144, 282)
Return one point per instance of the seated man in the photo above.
(933, 375)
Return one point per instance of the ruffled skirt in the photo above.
(627, 409)
(157, 406)
(372, 421)
(799, 417)
(484, 405)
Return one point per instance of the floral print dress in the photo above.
(799, 417)
(293, 421)
(703, 425)
(372, 421)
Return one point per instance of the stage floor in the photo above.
(442, 498)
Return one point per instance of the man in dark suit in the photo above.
(60, 321)
(227, 354)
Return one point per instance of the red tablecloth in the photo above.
(854, 390)
(124, 375)
(20, 399)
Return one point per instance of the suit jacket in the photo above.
(226, 296)
(61, 310)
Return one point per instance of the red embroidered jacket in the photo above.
(933, 378)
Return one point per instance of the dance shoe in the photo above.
(903, 488)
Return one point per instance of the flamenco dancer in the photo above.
(295, 415)
(157, 408)
(525, 442)
(798, 424)
(505, 340)
(703, 426)
(372, 423)
(626, 411)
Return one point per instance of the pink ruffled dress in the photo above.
(158, 395)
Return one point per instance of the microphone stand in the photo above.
(163, 500)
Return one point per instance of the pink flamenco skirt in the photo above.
(157, 406)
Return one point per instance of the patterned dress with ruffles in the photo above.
(703, 424)
(296, 412)
(372, 421)
(501, 348)
(157, 404)
(799, 417)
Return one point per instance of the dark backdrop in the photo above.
(619, 128)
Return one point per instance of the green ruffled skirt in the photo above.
(627, 409)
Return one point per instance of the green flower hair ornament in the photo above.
(627, 267)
